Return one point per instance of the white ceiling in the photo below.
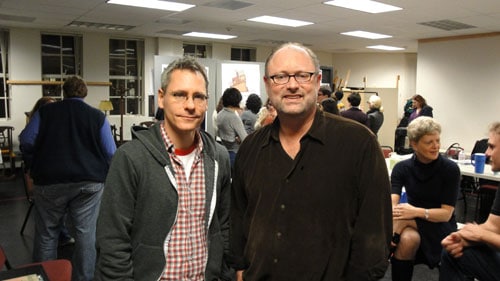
(210, 16)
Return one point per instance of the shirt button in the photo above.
(275, 260)
(278, 235)
(282, 207)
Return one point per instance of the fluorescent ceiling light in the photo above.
(280, 21)
(366, 34)
(209, 35)
(386, 48)
(154, 4)
(368, 6)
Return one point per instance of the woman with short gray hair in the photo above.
(432, 184)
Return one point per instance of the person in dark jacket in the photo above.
(72, 146)
(375, 113)
(289, 221)
(165, 209)
(354, 112)
(330, 105)
(420, 108)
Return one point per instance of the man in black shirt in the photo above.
(473, 251)
(288, 220)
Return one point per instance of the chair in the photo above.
(386, 150)
(28, 189)
(7, 150)
(401, 141)
(483, 189)
(116, 135)
(56, 270)
(453, 150)
(485, 197)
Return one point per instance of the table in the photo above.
(485, 195)
(468, 170)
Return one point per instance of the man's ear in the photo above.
(161, 95)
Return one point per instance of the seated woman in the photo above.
(432, 184)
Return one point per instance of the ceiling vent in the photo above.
(16, 18)
(447, 25)
(175, 21)
(171, 32)
(228, 4)
(96, 25)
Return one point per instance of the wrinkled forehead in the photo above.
(291, 57)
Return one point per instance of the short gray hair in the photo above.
(375, 102)
(184, 63)
(422, 126)
(495, 128)
(311, 54)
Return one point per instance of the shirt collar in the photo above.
(170, 145)
(316, 132)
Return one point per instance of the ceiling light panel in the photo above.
(366, 34)
(386, 48)
(209, 35)
(153, 4)
(367, 6)
(280, 21)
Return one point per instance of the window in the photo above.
(196, 50)
(242, 54)
(125, 74)
(4, 75)
(61, 58)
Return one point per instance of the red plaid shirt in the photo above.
(186, 245)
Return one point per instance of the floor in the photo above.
(13, 209)
(14, 205)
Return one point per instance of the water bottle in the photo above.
(403, 198)
(461, 157)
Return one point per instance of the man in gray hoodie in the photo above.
(165, 207)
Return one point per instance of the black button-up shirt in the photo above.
(325, 215)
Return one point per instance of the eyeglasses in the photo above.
(180, 97)
(300, 77)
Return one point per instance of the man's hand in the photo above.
(454, 244)
(472, 232)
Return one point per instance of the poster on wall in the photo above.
(245, 77)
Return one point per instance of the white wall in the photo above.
(460, 80)
(25, 64)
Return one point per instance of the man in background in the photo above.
(165, 210)
(354, 112)
(474, 250)
(289, 221)
(324, 93)
(71, 145)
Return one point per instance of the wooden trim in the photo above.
(458, 37)
(35, 82)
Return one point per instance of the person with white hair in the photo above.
(375, 113)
